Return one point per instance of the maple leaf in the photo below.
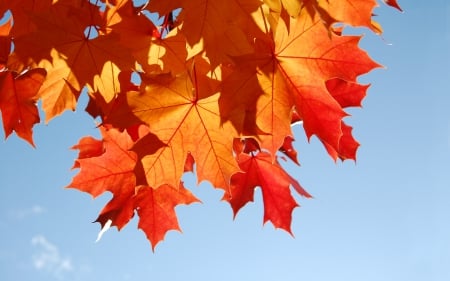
(156, 209)
(259, 170)
(289, 70)
(18, 97)
(109, 165)
(306, 66)
(183, 113)
(112, 170)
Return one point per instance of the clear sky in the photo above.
(387, 217)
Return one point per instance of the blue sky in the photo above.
(387, 217)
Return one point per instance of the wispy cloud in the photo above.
(49, 259)
(27, 212)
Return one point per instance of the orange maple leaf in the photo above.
(182, 111)
(308, 56)
(290, 70)
(18, 97)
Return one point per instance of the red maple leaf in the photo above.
(156, 209)
(18, 97)
(112, 170)
(275, 183)
(109, 165)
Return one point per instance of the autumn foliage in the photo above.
(210, 87)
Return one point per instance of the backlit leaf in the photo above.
(18, 97)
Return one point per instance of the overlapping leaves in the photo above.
(219, 85)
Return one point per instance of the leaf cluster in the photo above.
(210, 87)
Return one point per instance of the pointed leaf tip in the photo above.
(393, 3)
